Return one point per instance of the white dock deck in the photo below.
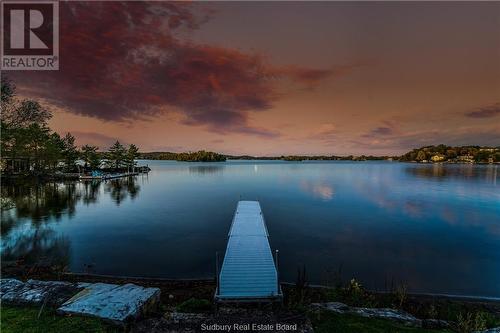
(248, 271)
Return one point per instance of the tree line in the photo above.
(29, 145)
(444, 153)
(199, 156)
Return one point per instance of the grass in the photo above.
(24, 320)
(195, 305)
(327, 322)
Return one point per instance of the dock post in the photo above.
(217, 272)
(277, 272)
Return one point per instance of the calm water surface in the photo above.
(434, 227)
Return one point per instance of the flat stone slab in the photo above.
(118, 304)
(34, 292)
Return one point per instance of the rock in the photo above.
(435, 324)
(34, 292)
(384, 313)
(189, 318)
(491, 330)
(336, 307)
(390, 314)
(118, 304)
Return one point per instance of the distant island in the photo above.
(429, 154)
(199, 156)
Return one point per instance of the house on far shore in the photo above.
(437, 158)
(466, 158)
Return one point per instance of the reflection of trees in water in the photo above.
(206, 169)
(120, 188)
(461, 171)
(90, 192)
(43, 203)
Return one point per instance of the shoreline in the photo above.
(473, 298)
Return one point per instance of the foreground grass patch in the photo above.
(20, 319)
(195, 305)
(326, 322)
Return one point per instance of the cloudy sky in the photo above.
(272, 78)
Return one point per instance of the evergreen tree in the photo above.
(116, 155)
(132, 154)
(90, 156)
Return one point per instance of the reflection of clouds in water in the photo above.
(318, 189)
(34, 243)
(414, 208)
(448, 215)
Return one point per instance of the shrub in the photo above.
(401, 294)
(469, 322)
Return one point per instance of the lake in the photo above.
(433, 227)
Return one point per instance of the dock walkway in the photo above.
(248, 271)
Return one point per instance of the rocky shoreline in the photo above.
(152, 305)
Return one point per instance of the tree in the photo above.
(90, 157)
(132, 154)
(116, 155)
(421, 156)
(69, 152)
(30, 142)
(52, 151)
(8, 90)
(451, 153)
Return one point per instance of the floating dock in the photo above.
(108, 176)
(248, 271)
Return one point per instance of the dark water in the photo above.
(434, 227)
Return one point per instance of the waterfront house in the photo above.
(466, 158)
(437, 158)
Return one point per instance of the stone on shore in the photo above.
(435, 324)
(34, 292)
(491, 330)
(390, 314)
(383, 313)
(118, 304)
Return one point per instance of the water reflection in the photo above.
(36, 244)
(439, 171)
(26, 223)
(317, 189)
(206, 169)
(42, 201)
(120, 189)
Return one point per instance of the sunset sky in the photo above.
(273, 78)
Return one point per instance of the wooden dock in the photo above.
(248, 271)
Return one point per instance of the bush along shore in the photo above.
(180, 305)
